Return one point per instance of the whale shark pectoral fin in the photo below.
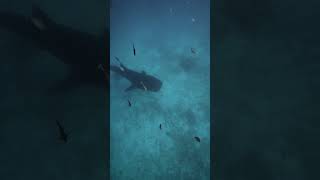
(132, 87)
(123, 67)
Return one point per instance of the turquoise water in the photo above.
(163, 34)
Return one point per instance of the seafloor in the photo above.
(163, 34)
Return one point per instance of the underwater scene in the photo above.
(160, 89)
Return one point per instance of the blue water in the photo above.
(163, 33)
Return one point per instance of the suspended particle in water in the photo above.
(171, 10)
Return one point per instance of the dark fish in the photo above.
(129, 103)
(134, 50)
(160, 127)
(197, 138)
(63, 136)
(193, 51)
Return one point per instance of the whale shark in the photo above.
(81, 52)
(139, 80)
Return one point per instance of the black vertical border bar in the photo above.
(211, 91)
(216, 36)
(212, 140)
(107, 58)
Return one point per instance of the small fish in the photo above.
(134, 50)
(197, 138)
(193, 50)
(129, 103)
(160, 127)
(63, 136)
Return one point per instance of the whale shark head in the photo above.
(149, 83)
(152, 84)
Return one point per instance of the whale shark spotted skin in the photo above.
(80, 51)
(139, 80)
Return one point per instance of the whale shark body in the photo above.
(139, 80)
(85, 54)
(80, 51)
